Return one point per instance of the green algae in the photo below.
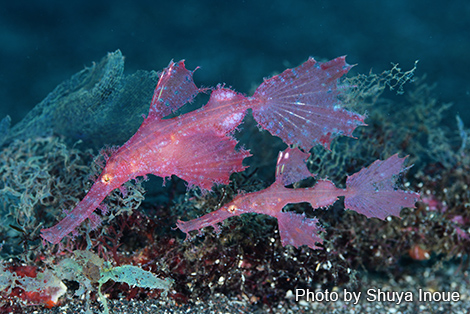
(99, 105)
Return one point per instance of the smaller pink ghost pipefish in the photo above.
(300, 105)
(370, 191)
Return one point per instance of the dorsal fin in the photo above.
(174, 89)
(291, 166)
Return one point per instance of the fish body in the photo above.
(371, 192)
(300, 105)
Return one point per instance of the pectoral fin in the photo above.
(207, 158)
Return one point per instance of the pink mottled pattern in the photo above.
(290, 166)
(174, 89)
(300, 105)
(371, 191)
(298, 230)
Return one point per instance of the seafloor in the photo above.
(425, 278)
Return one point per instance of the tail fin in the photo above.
(372, 190)
(301, 105)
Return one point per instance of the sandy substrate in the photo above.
(448, 279)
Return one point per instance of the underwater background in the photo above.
(237, 43)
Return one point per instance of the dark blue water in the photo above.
(236, 42)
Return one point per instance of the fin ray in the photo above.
(375, 189)
(301, 105)
(174, 89)
(291, 166)
(298, 230)
(208, 158)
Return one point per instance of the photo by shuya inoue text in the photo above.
(339, 185)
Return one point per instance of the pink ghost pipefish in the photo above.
(370, 191)
(300, 106)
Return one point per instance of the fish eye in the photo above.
(106, 178)
(231, 209)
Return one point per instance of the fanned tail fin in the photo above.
(298, 230)
(207, 157)
(372, 191)
(174, 89)
(301, 105)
